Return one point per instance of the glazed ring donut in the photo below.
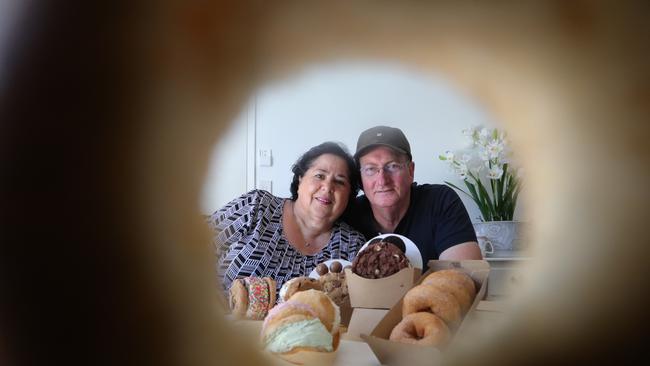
(421, 328)
(434, 300)
(455, 282)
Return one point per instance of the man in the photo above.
(431, 215)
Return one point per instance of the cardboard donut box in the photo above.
(389, 352)
(370, 299)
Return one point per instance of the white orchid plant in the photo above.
(488, 157)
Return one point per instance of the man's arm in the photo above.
(462, 251)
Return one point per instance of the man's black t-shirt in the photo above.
(435, 220)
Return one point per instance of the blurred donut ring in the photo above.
(421, 328)
(455, 282)
(435, 300)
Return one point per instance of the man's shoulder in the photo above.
(434, 198)
(431, 189)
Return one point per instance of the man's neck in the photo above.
(387, 218)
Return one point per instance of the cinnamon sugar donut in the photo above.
(457, 283)
(434, 300)
(421, 328)
(454, 275)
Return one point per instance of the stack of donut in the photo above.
(306, 323)
(252, 297)
(433, 310)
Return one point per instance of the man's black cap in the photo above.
(382, 136)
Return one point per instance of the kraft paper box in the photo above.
(380, 293)
(394, 353)
(371, 298)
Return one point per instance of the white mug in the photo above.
(485, 245)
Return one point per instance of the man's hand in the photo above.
(462, 251)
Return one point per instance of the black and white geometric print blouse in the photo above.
(249, 241)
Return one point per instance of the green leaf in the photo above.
(485, 212)
(456, 187)
(485, 199)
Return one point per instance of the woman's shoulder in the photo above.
(264, 198)
(257, 196)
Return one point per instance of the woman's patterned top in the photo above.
(249, 241)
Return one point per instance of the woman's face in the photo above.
(324, 190)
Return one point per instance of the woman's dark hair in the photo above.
(305, 162)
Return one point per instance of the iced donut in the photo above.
(308, 322)
(328, 312)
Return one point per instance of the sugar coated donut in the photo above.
(421, 328)
(457, 283)
(434, 300)
(457, 276)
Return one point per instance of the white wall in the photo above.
(228, 173)
(337, 102)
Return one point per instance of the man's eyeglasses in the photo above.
(390, 169)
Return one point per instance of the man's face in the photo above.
(386, 176)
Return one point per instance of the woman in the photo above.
(259, 234)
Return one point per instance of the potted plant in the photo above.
(491, 182)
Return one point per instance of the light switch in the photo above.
(266, 185)
(265, 157)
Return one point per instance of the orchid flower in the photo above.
(487, 161)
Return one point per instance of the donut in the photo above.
(297, 332)
(308, 321)
(298, 284)
(259, 298)
(252, 297)
(238, 299)
(455, 275)
(434, 300)
(455, 282)
(285, 309)
(273, 285)
(421, 328)
(328, 312)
